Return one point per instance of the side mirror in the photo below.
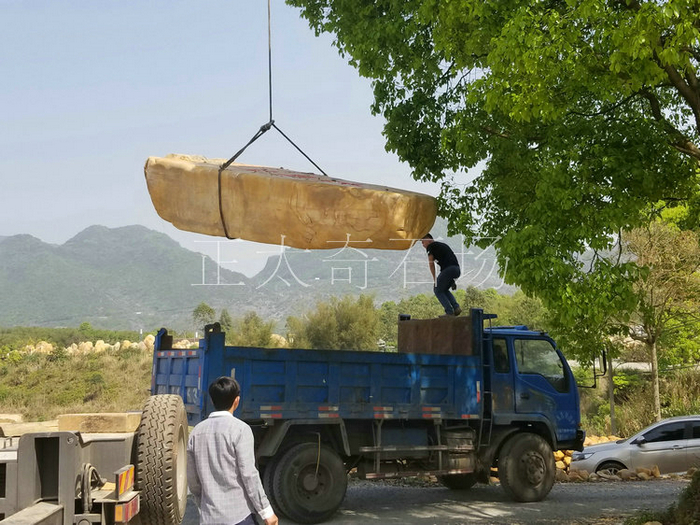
(603, 365)
(639, 441)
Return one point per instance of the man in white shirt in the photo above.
(221, 469)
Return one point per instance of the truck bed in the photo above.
(314, 384)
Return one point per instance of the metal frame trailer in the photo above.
(106, 478)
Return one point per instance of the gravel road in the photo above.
(568, 504)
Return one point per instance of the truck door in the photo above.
(502, 378)
(544, 385)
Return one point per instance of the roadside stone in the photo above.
(626, 474)
(560, 475)
(644, 476)
(583, 474)
(149, 340)
(655, 471)
(574, 476)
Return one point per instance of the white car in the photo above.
(672, 444)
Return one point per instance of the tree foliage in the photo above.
(225, 320)
(203, 315)
(345, 323)
(251, 330)
(583, 114)
(668, 290)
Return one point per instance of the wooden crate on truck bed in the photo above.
(442, 335)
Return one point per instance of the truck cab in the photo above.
(533, 382)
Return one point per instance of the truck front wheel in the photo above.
(161, 460)
(310, 481)
(526, 467)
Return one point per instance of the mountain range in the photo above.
(136, 278)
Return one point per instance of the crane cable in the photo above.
(263, 129)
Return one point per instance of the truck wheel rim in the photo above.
(311, 485)
(534, 467)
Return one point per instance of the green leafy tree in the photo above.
(86, 331)
(583, 114)
(346, 324)
(296, 332)
(225, 320)
(669, 290)
(422, 306)
(251, 330)
(203, 314)
(388, 318)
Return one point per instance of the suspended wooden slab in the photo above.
(264, 204)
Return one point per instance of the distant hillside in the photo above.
(122, 278)
(135, 278)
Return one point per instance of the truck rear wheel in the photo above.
(526, 467)
(309, 483)
(161, 460)
(458, 481)
(268, 475)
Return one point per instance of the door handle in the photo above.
(525, 395)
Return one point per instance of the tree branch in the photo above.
(691, 96)
(604, 110)
(491, 131)
(680, 142)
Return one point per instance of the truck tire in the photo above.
(268, 476)
(526, 467)
(310, 483)
(161, 460)
(458, 481)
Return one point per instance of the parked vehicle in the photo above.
(672, 444)
(500, 397)
(85, 476)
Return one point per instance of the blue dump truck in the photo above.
(456, 401)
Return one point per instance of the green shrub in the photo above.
(687, 510)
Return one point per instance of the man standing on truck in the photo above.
(221, 469)
(449, 273)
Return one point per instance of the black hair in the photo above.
(223, 392)
(427, 236)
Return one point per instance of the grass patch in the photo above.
(40, 387)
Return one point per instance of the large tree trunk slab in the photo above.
(274, 205)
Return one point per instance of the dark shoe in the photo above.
(457, 311)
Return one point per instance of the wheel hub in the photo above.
(534, 468)
(310, 482)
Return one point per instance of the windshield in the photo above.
(538, 356)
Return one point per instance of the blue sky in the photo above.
(90, 89)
